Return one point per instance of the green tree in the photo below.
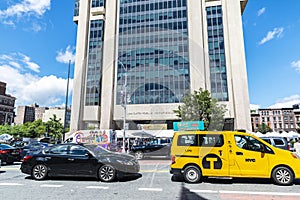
(199, 106)
(34, 129)
(55, 127)
(5, 129)
(263, 128)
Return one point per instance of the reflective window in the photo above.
(211, 140)
(76, 8)
(98, 3)
(217, 60)
(250, 143)
(78, 150)
(153, 51)
(188, 140)
(93, 78)
(62, 149)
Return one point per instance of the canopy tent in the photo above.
(289, 135)
(145, 133)
(5, 137)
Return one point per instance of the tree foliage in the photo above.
(263, 128)
(199, 106)
(55, 127)
(35, 129)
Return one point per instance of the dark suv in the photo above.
(152, 147)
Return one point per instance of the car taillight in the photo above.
(26, 158)
(173, 159)
(4, 151)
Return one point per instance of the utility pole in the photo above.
(66, 106)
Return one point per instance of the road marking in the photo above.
(9, 184)
(6, 168)
(98, 187)
(247, 192)
(151, 189)
(204, 191)
(157, 171)
(51, 186)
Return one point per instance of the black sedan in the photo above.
(9, 154)
(154, 147)
(79, 160)
(33, 146)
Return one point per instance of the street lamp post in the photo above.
(124, 106)
(66, 106)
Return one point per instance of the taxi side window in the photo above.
(211, 140)
(250, 143)
(187, 140)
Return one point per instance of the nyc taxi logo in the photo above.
(212, 161)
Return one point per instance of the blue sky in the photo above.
(38, 39)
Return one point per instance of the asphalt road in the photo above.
(153, 183)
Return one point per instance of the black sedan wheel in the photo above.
(107, 173)
(39, 172)
(283, 176)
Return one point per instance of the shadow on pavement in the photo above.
(186, 194)
(132, 177)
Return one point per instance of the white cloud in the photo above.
(277, 32)
(287, 102)
(261, 11)
(254, 107)
(23, 9)
(66, 55)
(296, 65)
(26, 7)
(20, 61)
(30, 88)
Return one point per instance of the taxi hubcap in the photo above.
(192, 175)
(283, 176)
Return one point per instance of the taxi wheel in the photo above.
(107, 173)
(139, 155)
(39, 172)
(283, 176)
(192, 174)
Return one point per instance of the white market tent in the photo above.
(145, 133)
(289, 135)
(5, 137)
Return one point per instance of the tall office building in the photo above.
(160, 50)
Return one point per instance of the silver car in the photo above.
(278, 142)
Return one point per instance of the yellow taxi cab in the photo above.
(197, 154)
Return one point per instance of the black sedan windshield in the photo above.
(96, 149)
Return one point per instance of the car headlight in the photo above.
(125, 162)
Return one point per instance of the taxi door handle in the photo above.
(239, 153)
(71, 159)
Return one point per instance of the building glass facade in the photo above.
(217, 61)
(153, 51)
(98, 3)
(76, 8)
(93, 78)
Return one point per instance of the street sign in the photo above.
(188, 126)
